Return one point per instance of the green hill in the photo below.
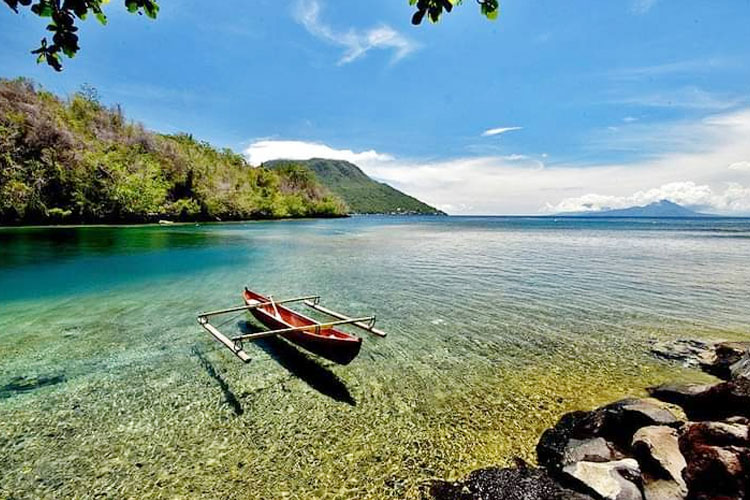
(75, 160)
(361, 194)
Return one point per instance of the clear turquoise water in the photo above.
(497, 326)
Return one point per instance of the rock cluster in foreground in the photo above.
(640, 449)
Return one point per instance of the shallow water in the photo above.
(108, 387)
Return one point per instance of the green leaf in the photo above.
(42, 9)
(101, 18)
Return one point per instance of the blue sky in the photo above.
(607, 103)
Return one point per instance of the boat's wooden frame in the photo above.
(234, 344)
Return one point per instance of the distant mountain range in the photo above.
(663, 208)
(361, 194)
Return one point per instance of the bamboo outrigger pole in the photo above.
(255, 306)
(316, 327)
(365, 326)
(235, 347)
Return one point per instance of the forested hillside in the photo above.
(75, 160)
(362, 194)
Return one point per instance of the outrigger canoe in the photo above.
(322, 339)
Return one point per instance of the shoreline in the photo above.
(683, 442)
(169, 224)
(200, 222)
(358, 215)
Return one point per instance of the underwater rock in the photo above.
(29, 383)
(721, 359)
(718, 464)
(616, 480)
(493, 483)
(689, 352)
(658, 452)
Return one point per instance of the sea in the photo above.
(497, 326)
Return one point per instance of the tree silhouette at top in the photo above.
(63, 15)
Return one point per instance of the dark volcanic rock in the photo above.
(716, 469)
(577, 425)
(679, 394)
(727, 354)
(522, 483)
(732, 432)
(713, 402)
(740, 369)
(616, 423)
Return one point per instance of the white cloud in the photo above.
(686, 97)
(684, 67)
(734, 198)
(499, 130)
(642, 6)
(696, 176)
(263, 150)
(356, 43)
(699, 176)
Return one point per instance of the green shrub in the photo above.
(92, 165)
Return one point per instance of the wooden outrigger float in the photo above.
(323, 339)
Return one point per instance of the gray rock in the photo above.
(690, 397)
(649, 411)
(616, 480)
(658, 452)
(589, 450)
(715, 402)
(741, 368)
(615, 423)
(577, 425)
(679, 394)
(493, 483)
(726, 360)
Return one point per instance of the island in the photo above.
(662, 208)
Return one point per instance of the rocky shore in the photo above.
(684, 442)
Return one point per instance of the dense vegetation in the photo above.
(76, 160)
(362, 194)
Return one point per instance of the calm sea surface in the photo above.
(497, 326)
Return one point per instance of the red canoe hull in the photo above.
(332, 344)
